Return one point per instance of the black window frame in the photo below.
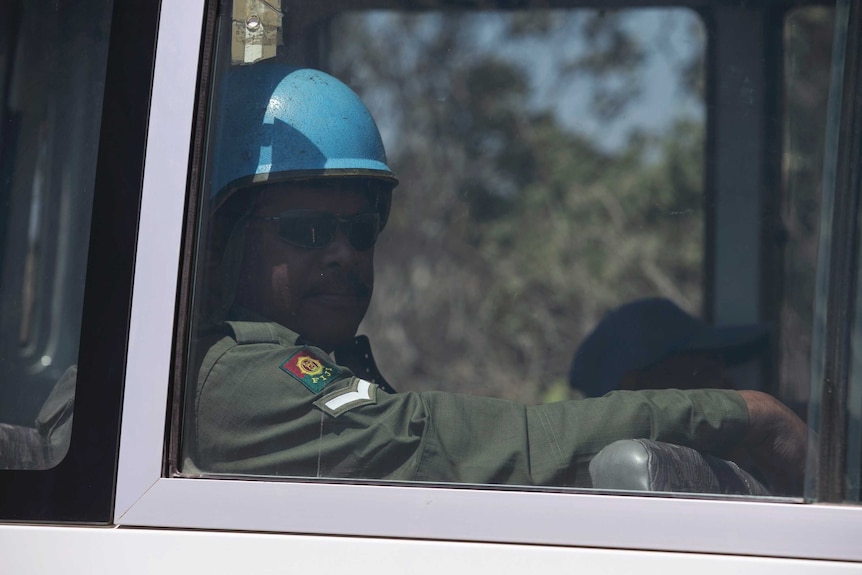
(81, 488)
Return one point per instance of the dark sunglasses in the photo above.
(314, 229)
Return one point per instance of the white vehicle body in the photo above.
(161, 522)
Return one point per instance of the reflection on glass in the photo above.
(808, 36)
(549, 159)
(527, 190)
(53, 69)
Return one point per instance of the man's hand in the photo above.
(776, 442)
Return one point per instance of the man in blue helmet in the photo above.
(301, 191)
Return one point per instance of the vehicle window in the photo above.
(808, 39)
(562, 170)
(547, 207)
(836, 398)
(52, 73)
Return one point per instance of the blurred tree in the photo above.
(512, 234)
(808, 34)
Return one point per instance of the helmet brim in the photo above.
(255, 180)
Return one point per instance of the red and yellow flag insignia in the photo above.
(310, 370)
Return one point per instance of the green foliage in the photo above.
(511, 234)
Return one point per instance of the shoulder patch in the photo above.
(311, 370)
(359, 392)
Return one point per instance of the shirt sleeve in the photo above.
(553, 444)
(252, 418)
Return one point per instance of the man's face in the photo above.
(320, 293)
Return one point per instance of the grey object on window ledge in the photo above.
(46, 444)
(20, 447)
(646, 465)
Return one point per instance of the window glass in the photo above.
(836, 384)
(542, 279)
(808, 37)
(52, 69)
(545, 171)
(854, 408)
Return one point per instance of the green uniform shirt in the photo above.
(265, 406)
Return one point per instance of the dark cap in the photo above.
(644, 332)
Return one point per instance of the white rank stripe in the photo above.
(362, 393)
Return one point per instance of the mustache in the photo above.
(341, 283)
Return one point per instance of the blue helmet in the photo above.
(275, 123)
(272, 123)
